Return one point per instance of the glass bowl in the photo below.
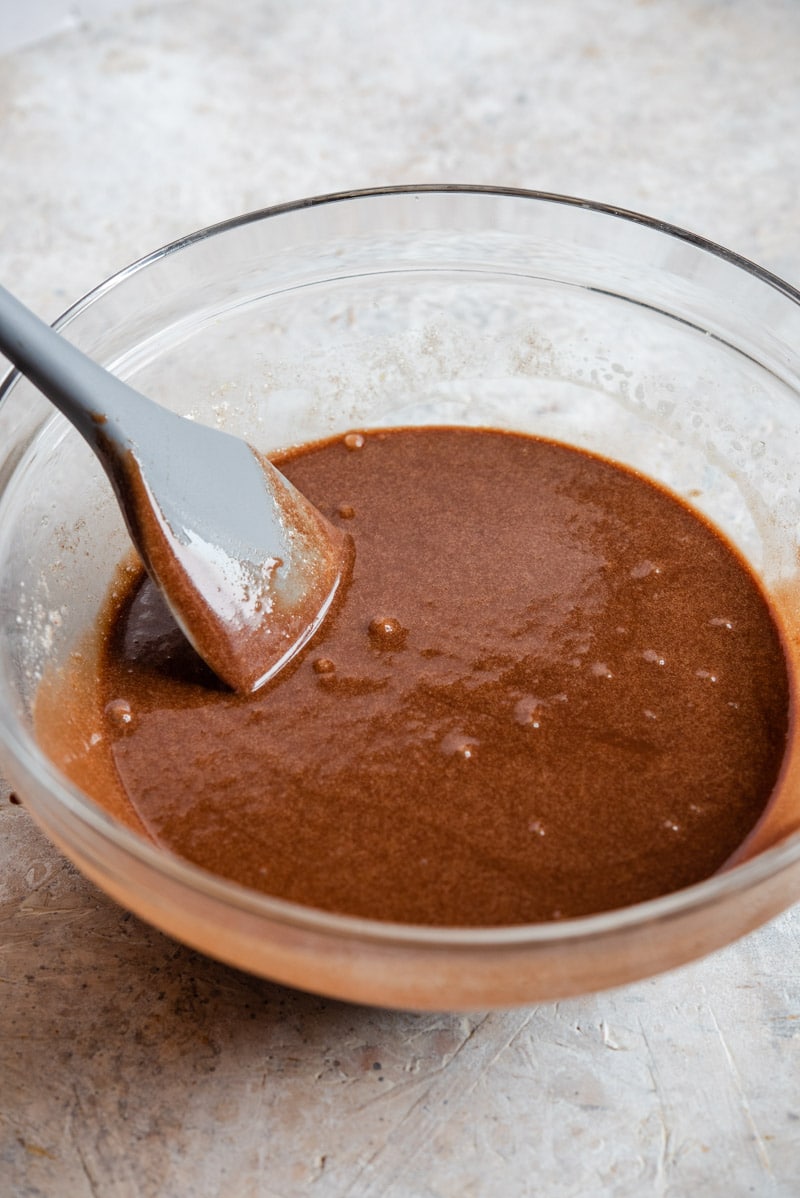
(459, 305)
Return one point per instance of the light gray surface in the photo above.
(132, 1066)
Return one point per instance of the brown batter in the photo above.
(550, 689)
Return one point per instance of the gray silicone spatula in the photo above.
(247, 565)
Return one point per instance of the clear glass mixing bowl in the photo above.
(459, 305)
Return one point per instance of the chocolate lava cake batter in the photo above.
(549, 689)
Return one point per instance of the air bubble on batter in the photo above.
(457, 744)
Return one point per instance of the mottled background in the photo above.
(132, 1066)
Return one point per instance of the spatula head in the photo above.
(248, 566)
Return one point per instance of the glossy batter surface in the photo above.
(550, 689)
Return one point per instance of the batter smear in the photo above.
(550, 689)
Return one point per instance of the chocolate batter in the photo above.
(549, 690)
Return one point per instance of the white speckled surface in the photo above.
(132, 1066)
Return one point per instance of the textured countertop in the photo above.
(132, 1066)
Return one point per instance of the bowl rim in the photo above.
(765, 866)
(335, 197)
